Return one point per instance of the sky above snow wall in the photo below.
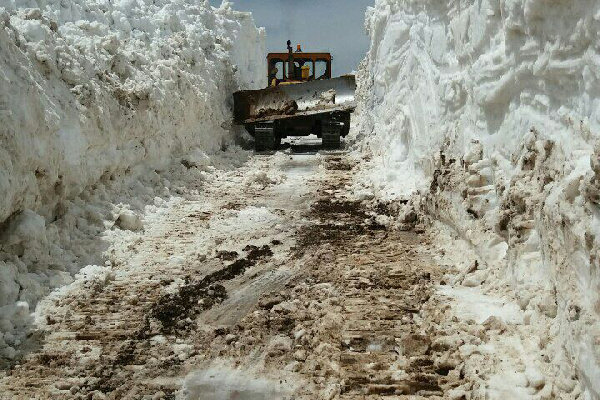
(336, 26)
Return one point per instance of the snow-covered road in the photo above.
(95, 325)
(274, 282)
(452, 251)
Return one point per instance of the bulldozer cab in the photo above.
(297, 67)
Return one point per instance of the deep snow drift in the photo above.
(92, 95)
(490, 111)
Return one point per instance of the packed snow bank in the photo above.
(490, 110)
(92, 91)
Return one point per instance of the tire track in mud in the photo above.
(349, 313)
(385, 281)
(130, 335)
(358, 320)
(118, 323)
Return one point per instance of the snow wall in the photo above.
(489, 113)
(91, 91)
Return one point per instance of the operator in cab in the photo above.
(274, 81)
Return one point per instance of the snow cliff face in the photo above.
(90, 89)
(93, 90)
(490, 110)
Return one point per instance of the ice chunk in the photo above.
(130, 221)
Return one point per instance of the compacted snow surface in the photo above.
(487, 113)
(92, 95)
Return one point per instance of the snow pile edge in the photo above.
(93, 93)
(489, 113)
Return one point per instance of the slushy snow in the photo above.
(98, 99)
(487, 114)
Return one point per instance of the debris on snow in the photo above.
(487, 114)
(98, 100)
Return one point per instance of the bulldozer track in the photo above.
(385, 281)
(327, 302)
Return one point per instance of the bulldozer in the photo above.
(301, 99)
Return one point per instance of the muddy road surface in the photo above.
(272, 283)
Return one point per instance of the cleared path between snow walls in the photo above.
(488, 114)
(93, 92)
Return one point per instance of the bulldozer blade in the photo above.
(285, 101)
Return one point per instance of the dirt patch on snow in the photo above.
(339, 164)
(175, 310)
(325, 301)
(359, 320)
